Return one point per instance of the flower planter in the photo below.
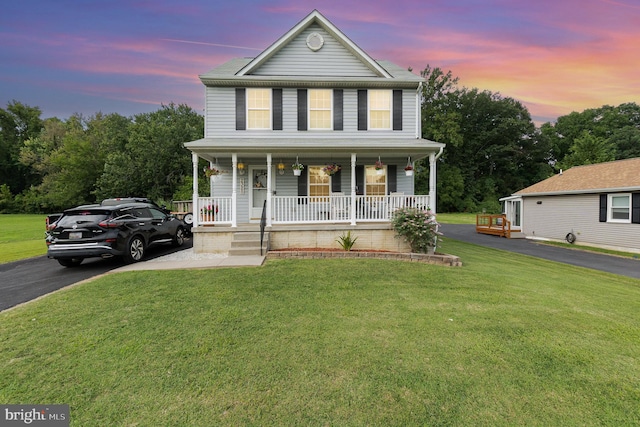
(297, 172)
(409, 172)
(380, 171)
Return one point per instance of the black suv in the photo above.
(126, 229)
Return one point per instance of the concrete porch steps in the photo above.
(248, 243)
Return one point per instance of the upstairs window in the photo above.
(380, 109)
(320, 114)
(258, 108)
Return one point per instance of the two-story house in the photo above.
(312, 98)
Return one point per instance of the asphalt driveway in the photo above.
(609, 263)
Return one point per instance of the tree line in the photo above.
(493, 150)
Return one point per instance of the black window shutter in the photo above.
(603, 208)
(302, 109)
(392, 178)
(337, 109)
(397, 110)
(362, 110)
(336, 182)
(241, 109)
(359, 179)
(635, 208)
(277, 109)
(302, 188)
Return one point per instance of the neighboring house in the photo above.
(593, 204)
(314, 98)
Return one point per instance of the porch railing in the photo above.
(498, 225)
(338, 208)
(315, 209)
(214, 210)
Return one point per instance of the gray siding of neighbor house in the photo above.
(296, 59)
(220, 117)
(578, 214)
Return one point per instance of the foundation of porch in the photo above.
(376, 236)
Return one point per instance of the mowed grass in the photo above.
(504, 340)
(21, 236)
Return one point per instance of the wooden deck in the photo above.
(497, 225)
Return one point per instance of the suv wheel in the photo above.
(178, 240)
(70, 262)
(135, 250)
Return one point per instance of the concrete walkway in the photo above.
(187, 259)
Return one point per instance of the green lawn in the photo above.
(505, 340)
(21, 236)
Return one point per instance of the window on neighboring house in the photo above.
(320, 114)
(258, 108)
(619, 208)
(375, 183)
(380, 109)
(319, 182)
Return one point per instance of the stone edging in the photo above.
(439, 259)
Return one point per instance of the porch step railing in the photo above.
(497, 225)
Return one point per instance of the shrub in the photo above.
(418, 227)
(346, 241)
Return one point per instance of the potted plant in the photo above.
(408, 170)
(379, 167)
(210, 171)
(331, 169)
(297, 168)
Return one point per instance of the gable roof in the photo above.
(620, 175)
(314, 17)
(253, 71)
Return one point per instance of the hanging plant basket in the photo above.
(297, 172)
(379, 167)
(331, 169)
(408, 172)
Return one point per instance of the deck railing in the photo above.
(493, 224)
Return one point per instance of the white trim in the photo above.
(610, 208)
(312, 129)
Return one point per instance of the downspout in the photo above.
(269, 190)
(419, 112)
(353, 189)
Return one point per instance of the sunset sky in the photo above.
(131, 56)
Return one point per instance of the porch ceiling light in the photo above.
(281, 168)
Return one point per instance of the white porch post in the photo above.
(194, 202)
(353, 189)
(432, 182)
(234, 182)
(269, 189)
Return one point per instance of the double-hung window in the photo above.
(320, 114)
(619, 208)
(258, 108)
(375, 182)
(380, 109)
(319, 182)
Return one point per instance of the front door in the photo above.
(258, 193)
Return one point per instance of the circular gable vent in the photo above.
(315, 41)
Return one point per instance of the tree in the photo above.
(18, 123)
(154, 162)
(586, 150)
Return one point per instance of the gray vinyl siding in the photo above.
(220, 117)
(296, 59)
(578, 214)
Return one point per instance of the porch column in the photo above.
(352, 213)
(234, 182)
(194, 201)
(269, 218)
(432, 182)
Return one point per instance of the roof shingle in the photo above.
(602, 177)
